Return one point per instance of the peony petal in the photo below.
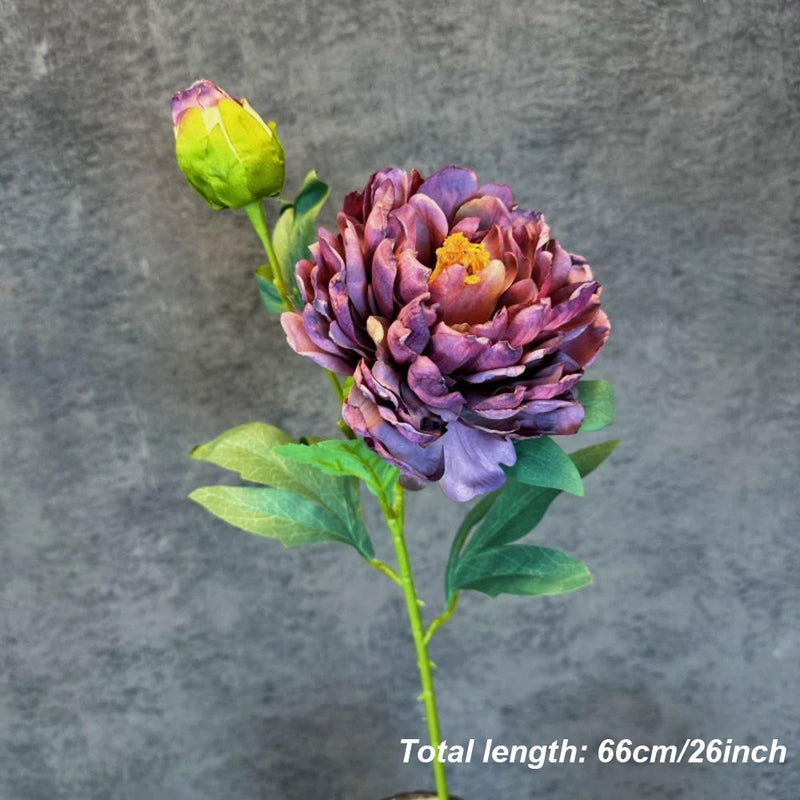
(560, 267)
(472, 460)
(446, 284)
(410, 333)
(433, 216)
(493, 374)
(469, 227)
(384, 274)
(499, 354)
(475, 300)
(527, 324)
(582, 346)
(355, 271)
(544, 348)
(302, 277)
(331, 253)
(501, 190)
(343, 312)
(399, 180)
(431, 388)
(301, 343)
(451, 349)
(353, 206)
(540, 270)
(379, 384)
(569, 312)
(419, 463)
(376, 227)
(319, 279)
(413, 233)
(508, 398)
(489, 210)
(547, 391)
(494, 329)
(494, 242)
(412, 277)
(581, 272)
(550, 417)
(450, 187)
(318, 330)
(523, 292)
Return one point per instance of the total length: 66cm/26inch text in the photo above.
(609, 751)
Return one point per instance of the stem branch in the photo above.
(442, 619)
(386, 570)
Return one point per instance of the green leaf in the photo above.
(347, 457)
(279, 514)
(472, 518)
(521, 569)
(597, 399)
(267, 291)
(590, 458)
(248, 450)
(541, 462)
(518, 507)
(251, 450)
(295, 229)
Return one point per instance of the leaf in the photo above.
(590, 458)
(521, 569)
(251, 450)
(267, 291)
(518, 507)
(472, 518)
(597, 399)
(248, 450)
(347, 457)
(279, 514)
(295, 229)
(541, 462)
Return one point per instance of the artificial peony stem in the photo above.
(386, 570)
(255, 213)
(337, 387)
(442, 619)
(395, 520)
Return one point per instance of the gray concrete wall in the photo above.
(151, 653)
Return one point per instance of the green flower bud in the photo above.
(224, 148)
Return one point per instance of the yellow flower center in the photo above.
(457, 249)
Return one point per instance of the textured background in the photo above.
(151, 653)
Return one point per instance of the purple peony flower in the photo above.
(463, 324)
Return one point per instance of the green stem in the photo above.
(442, 619)
(394, 514)
(386, 570)
(255, 213)
(337, 387)
(395, 520)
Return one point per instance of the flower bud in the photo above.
(224, 148)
